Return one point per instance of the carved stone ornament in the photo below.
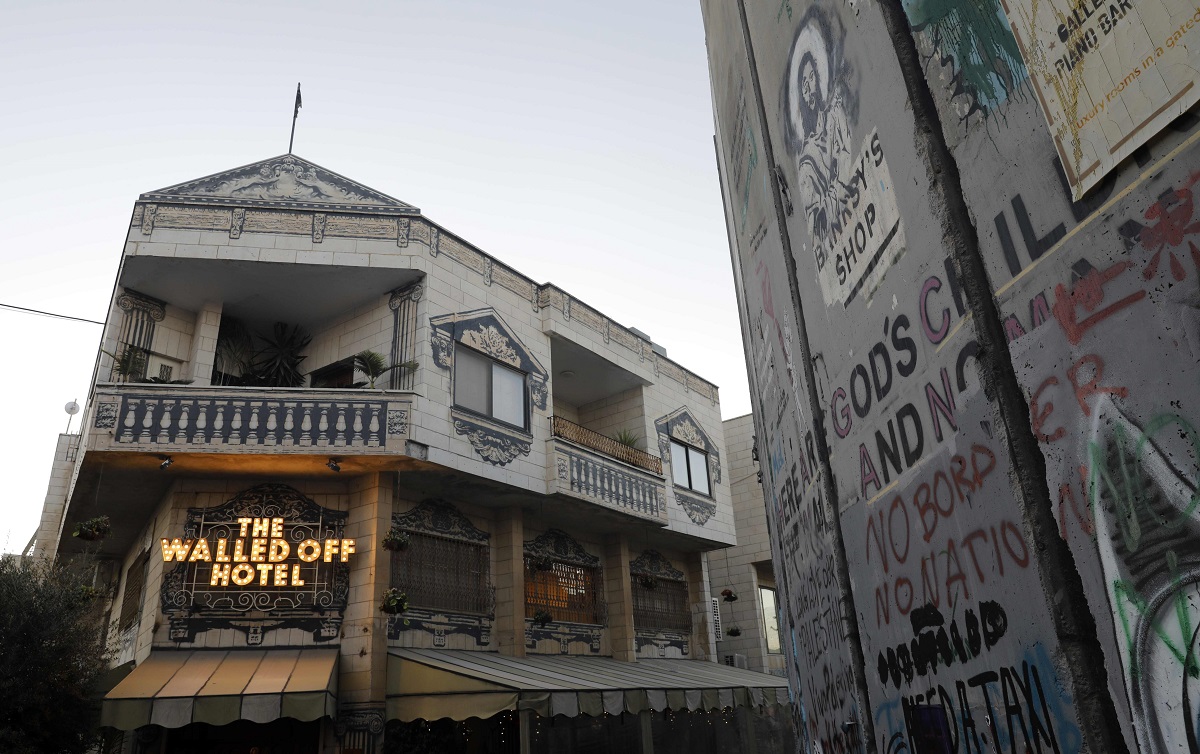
(318, 228)
(106, 415)
(494, 446)
(285, 181)
(433, 242)
(407, 293)
(148, 216)
(443, 349)
(652, 563)
(403, 227)
(556, 544)
(397, 422)
(687, 432)
(368, 720)
(134, 301)
(442, 519)
(492, 342)
(699, 511)
(236, 222)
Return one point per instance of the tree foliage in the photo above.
(51, 656)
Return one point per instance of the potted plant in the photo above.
(373, 366)
(542, 617)
(542, 563)
(395, 539)
(130, 365)
(92, 529)
(394, 602)
(733, 631)
(88, 593)
(629, 439)
(729, 595)
(646, 581)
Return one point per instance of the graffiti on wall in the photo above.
(846, 196)
(972, 39)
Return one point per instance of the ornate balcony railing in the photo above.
(569, 430)
(591, 477)
(261, 419)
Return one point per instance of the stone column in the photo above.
(619, 594)
(704, 644)
(362, 684)
(509, 546)
(204, 343)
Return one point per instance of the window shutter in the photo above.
(716, 613)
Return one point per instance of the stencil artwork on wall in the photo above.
(845, 197)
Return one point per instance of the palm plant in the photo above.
(373, 366)
(629, 438)
(277, 363)
(234, 355)
(130, 364)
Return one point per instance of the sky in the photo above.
(572, 141)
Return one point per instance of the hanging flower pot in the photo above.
(646, 581)
(729, 595)
(93, 529)
(542, 617)
(733, 631)
(395, 540)
(394, 602)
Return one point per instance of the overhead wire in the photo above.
(50, 314)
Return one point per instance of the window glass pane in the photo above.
(471, 378)
(679, 471)
(508, 395)
(770, 618)
(699, 463)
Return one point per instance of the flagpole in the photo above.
(295, 113)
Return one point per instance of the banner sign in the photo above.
(1110, 74)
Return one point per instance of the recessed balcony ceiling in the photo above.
(303, 294)
(581, 376)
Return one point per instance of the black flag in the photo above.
(297, 110)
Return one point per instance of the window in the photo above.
(567, 591)
(131, 602)
(689, 467)
(488, 387)
(660, 603)
(444, 574)
(770, 618)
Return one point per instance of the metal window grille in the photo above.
(444, 574)
(131, 602)
(165, 371)
(567, 591)
(663, 606)
(716, 614)
(404, 336)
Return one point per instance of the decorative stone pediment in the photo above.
(653, 563)
(682, 426)
(556, 544)
(442, 519)
(284, 181)
(485, 331)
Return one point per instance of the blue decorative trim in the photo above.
(494, 446)
(697, 509)
(682, 426)
(440, 518)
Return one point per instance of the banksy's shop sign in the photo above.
(1110, 74)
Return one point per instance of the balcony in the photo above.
(248, 420)
(592, 467)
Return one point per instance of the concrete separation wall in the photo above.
(973, 397)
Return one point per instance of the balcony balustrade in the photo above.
(569, 430)
(250, 419)
(585, 469)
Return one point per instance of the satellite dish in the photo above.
(71, 408)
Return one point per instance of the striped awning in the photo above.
(174, 688)
(430, 684)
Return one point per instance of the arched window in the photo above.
(445, 564)
(660, 594)
(564, 580)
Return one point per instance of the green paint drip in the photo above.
(973, 36)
